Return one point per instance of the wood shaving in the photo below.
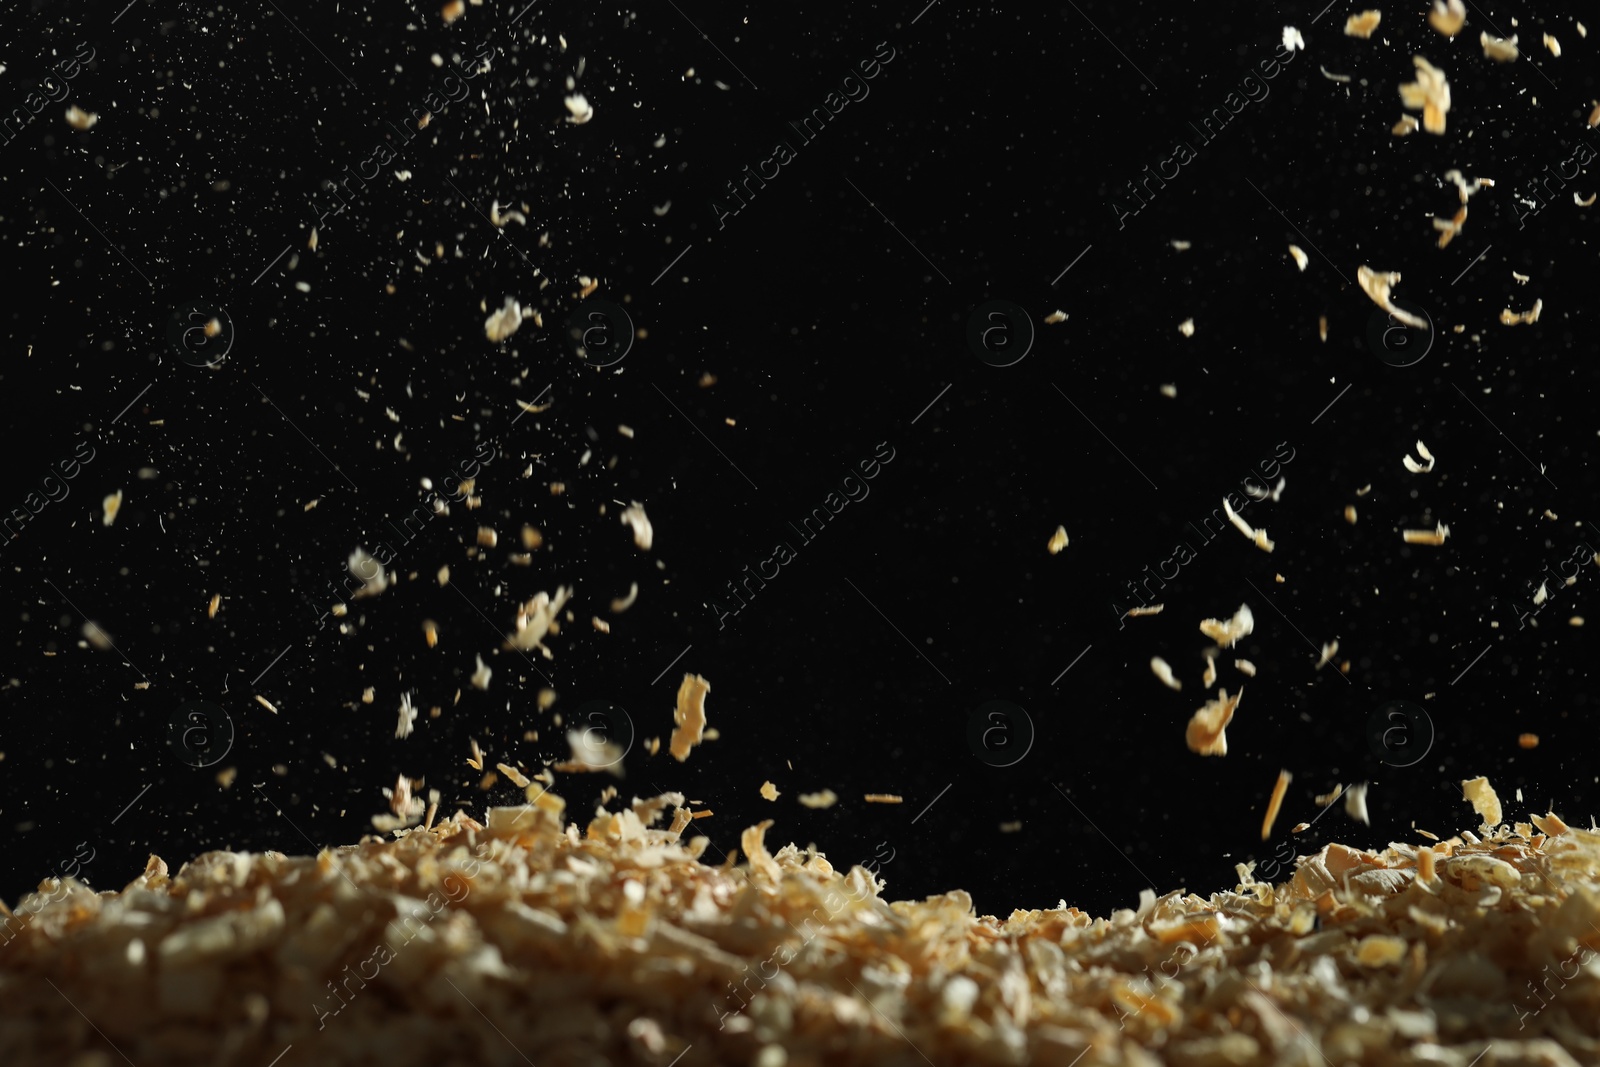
(608, 940)
(1430, 94)
(592, 752)
(517, 777)
(769, 791)
(1362, 24)
(1058, 540)
(408, 716)
(1481, 795)
(481, 676)
(1514, 318)
(536, 619)
(1292, 40)
(1209, 678)
(1322, 328)
(475, 761)
(1499, 49)
(1055, 317)
(1528, 740)
(1257, 536)
(1464, 188)
(1576, 199)
(1418, 468)
(1327, 799)
(621, 604)
(1181, 246)
(826, 798)
(1376, 284)
(1350, 514)
(80, 119)
(1275, 802)
(1207, 732)
(1594, 116)
(109, 508)
(1163, 670)
(1300, 258)
(373, 578)
(216, 602)
(1186, 327)
(600, 624)
(1407, 126)
(1150, 609)
(1448, 228)
(1227, 634)
(1244, 667)
(1355, 804)
(505, 322)
(1331, 76)
(643, 532)
(1329, 650)
(1448, 18)
(264, 702)
(689, 716)
(1435, 536)
(884, 798)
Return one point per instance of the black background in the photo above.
(832, 310)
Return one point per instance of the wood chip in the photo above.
(1227, 634)
(643, 532)
(1499, 49)
(769, 791)
(1300, 258)
(264, 702)
(1207, 732)
(1481, 795)
(1350, 514)
(883, 798)
(1376, 284)
(516, 776)
(1426, 537)
(1417, 468)
(1430, 94)
(1058, 540)
(1355, 804)
(1163, 671)
(1448, 18)
(689, 716)
(1244, 667)
(1363, 24)
(825, 798)
(1186, 327)
(1275, 802)
(1154, 609)
(1513, 318)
